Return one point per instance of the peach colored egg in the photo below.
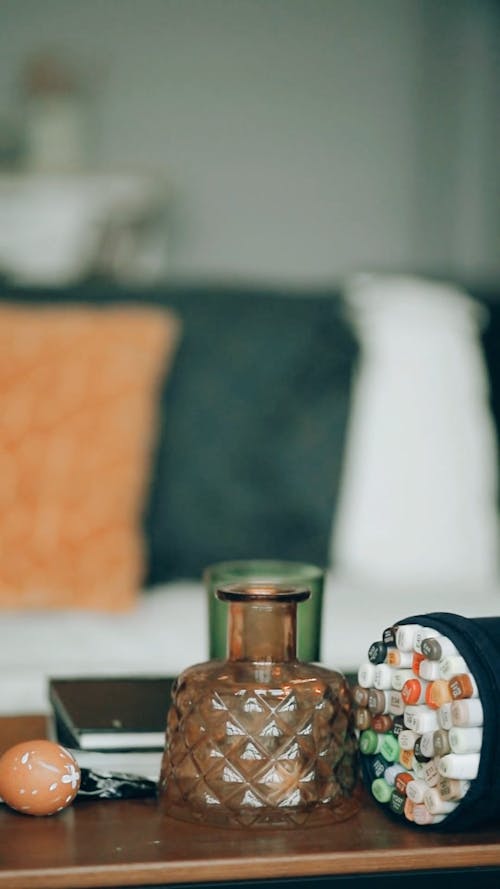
(38, 777)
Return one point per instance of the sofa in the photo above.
(354, 427)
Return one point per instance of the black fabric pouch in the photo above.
(478, 642)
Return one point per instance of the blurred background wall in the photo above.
(301, 139)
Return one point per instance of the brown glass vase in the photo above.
(260, 739)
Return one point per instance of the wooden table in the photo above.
(130, 843)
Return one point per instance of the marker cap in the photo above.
(396, 704)
(444, 715)
(420, 756)
(450, 666)
(420, 719)
(397, 802)
(425, 720)
(399, 677)
(381, 790)
(378, 701)
(376, 765)
(377, 652)
(427, 744)
(366, 674)
(360, 695)
(437, 693)
(392, 772)
(407, 759)
(462, 686)
(421, 634)
(413, 691)
(437, 647)
(441, 742)
(382, 722)
(435, 804)
(429, 669)
(389, 635)
(415, 790)
(422, 816)
(397, 658)
(418, 769)
(369, 741)
(389, 748)
(467, 712)
(405, 636)
(416, 660)
(459, 765)
(410, 716)
(465, 740)
(402, 781)
(397, 724)
(452, 788)
(408, 810)
(383, 676)
(407, 739)
(362, 718)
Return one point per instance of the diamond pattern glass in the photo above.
(264, 743)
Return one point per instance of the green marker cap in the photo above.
(382, 791)
(389, 748)
(369, 741)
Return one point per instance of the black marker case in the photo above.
(478, 642)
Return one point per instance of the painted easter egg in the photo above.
(38, 777)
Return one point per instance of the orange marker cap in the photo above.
(402, 780)
(461, 686)
(412, 691)
(406, 758)
(437, 693)
(417, 659)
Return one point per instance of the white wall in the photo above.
(302, 138)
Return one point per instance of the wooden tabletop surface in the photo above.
(127, 843)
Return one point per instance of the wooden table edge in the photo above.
(220, 869)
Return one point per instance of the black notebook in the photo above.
(124, 713)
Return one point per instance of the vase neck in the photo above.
(262, 623)
(262, 631)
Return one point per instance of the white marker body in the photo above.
(444, 716)
(450, 666)
(415, 790)
(467, 712)
(399, 677)
(459, 765)
(465, 740)
(429, 670)
(366, 675)
(405, 636)
(382, 678)
(434, 803)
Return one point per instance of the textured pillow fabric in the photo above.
(78, 412)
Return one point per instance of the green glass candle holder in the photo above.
(272, 571)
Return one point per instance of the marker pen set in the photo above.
(427, 714)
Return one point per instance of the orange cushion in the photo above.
(79, 390)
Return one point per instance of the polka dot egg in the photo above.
(38, 777)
